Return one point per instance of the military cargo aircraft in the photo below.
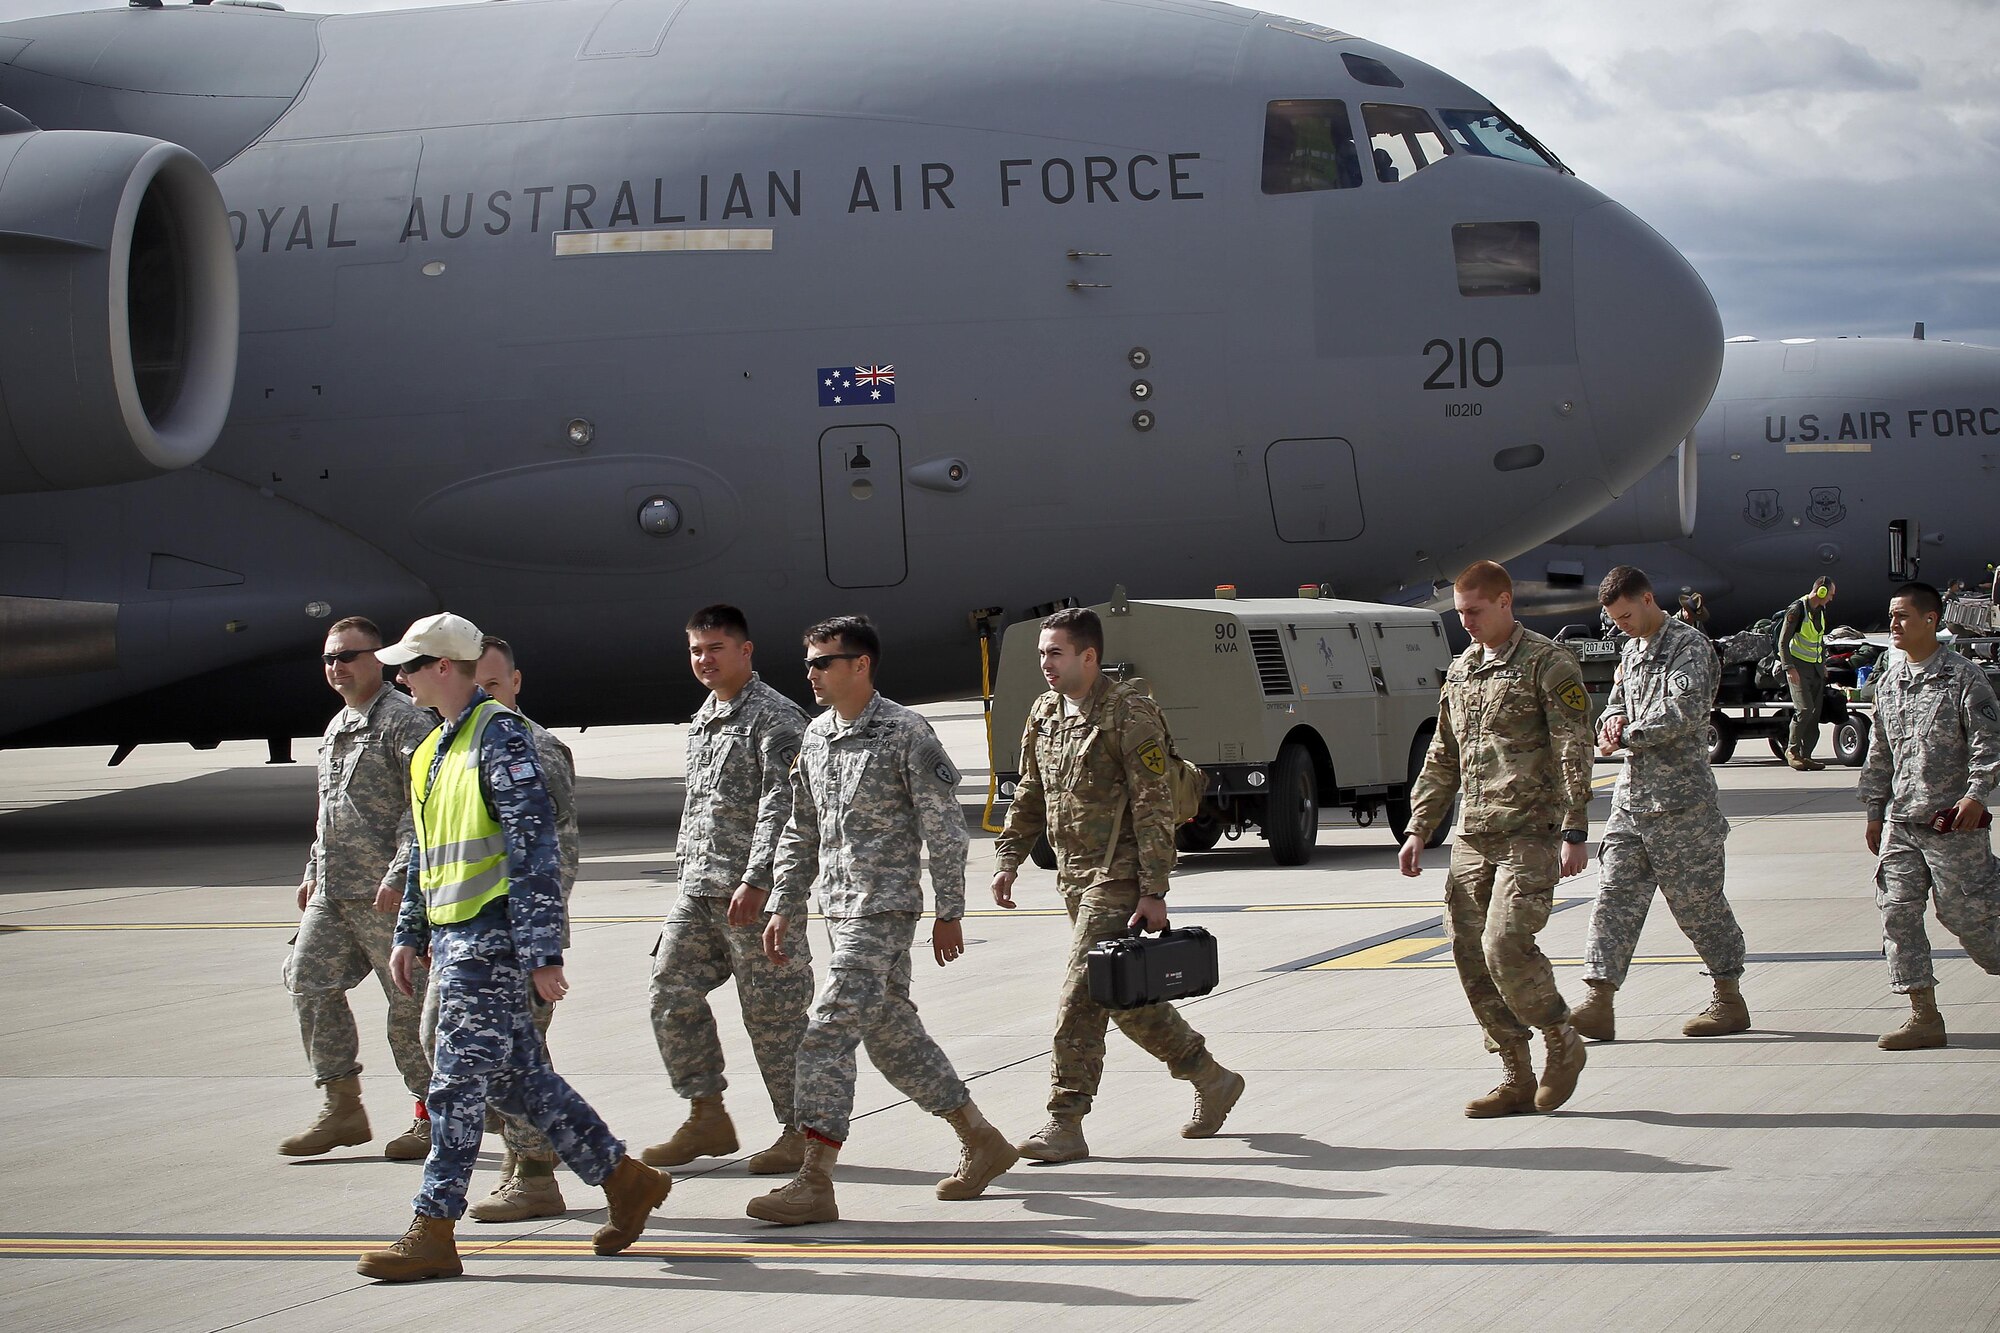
(572, 317)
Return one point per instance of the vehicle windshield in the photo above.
(1489, 133)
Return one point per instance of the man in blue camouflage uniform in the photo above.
(740, 749)
(483, 896)
(1666, 827)
(872, 787)
(1935, 760)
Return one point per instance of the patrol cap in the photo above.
(442, 635)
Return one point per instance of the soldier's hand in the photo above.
(387, 899)
(1003, 889)
(747, 904)
(305, 894)
(774, 940)
(1575, 856)
(550, 984)
(1411, 859)
(947, 941)
(402, 961)
(1612, 734)
(1968, 814)
(1150, 914)
(1792, 675)
(1875, 837)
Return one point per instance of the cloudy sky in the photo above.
(1830, 166)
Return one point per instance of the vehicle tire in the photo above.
(1291, 811)
(1721, 738)
(1777, 745)
(1398, 808)
(1041, 853)
(1199, 834)
(1850, 740)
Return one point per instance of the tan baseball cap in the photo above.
(441, 635)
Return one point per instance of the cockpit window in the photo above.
(1402, 140)
(1490, 134)
(1308, 145)
(1498, 258)
(1368, 70)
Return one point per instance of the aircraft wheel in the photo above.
(1199, 834)
(1042, 854)
(1291, 811)
(1850, 740)
(1721, 738)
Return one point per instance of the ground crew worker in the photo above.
(872, 787)
(1936, 759)
(348, 897)
(1666, 826)
(1802, 651)
(483, 897)
(740, 749)
(1094, 776)
(1513, 740)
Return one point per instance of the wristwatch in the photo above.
(1574, 835)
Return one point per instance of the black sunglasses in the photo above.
(825, 660)
(414, 665)
(348, 656)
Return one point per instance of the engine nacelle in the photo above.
(1659, 507)
(118, 343)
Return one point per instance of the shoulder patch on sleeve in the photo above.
(1680, 682)
(1990, 711)
(520, 772)
(930, 755)
(1154, 758)
(1573, 696)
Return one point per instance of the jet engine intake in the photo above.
(1659, 507)
(118, 351)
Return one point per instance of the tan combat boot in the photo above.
(707, 1132)
(1923, 1030)
(426, 1250)
(782, 1158)
(1565, 1063)
(1726, 1013)
(528, 1191)
(1215, 1092)
(1796, 760)
(1594, 1017)
(983, 1153)
(1516, 1093)
(806, 1197)
(414, 1143)
(1061, 1140)
(633, 1190)
(341, 1122)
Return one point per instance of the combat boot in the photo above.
(1594, 1017)
(1923, 1030)
(707, 1132)
(1565, 1063)
(1726, 1013)
(527, 1192)
(1215, 1092)
(782, 1158)
(1061, 1140)
(341, 1122)
(1812, 765)
(633, 1190)
(1796, 760)
(1516, 1093)
(806, 1197)
(414, 1143)
(426, 1250)
(983, 1153)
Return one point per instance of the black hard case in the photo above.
(1136, 970)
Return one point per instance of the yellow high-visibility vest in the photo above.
(461, 848)
(1808, 644)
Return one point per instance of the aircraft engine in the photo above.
(118, 350)
(1659, 507)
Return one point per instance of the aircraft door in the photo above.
(861, 503)
(1315, 496)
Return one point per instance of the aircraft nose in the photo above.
(1649, 341)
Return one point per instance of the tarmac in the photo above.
(1792, 1177)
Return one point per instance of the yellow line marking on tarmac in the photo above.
(1403, 954)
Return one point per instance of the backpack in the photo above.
(1187, 783)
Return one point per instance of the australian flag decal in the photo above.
(856, 386)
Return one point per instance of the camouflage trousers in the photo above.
(1807, 696)
(697, 952)
(522, 1139)
(487, 1048)
(1099, 913)
(340, 941)
(1678, 852)
(866, 1002)
(1956, 871)
(1497, 897)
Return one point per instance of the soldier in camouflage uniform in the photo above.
(347, 899)
(1094, 775)
(1936, 757)
(740, 749)
(1513, 739)
(484, 898)
(1666, 826)
(870, 790)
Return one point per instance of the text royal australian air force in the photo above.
(491, 209)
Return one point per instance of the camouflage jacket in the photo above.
(559, 776)
(1937, 738)
(362, 839)
(1513, 739)
(1080, 775)
(866, 800)
(1665, 691)
(510, 773)
(739, 790)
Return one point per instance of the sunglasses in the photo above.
(825, 660)
(348, 656)
(414, 665)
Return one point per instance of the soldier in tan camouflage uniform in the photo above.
(1094, 776)
(348, 897)
(1666, 826)
(871, 789)
(1513, 739)
(1936, 756)
(740, 749)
